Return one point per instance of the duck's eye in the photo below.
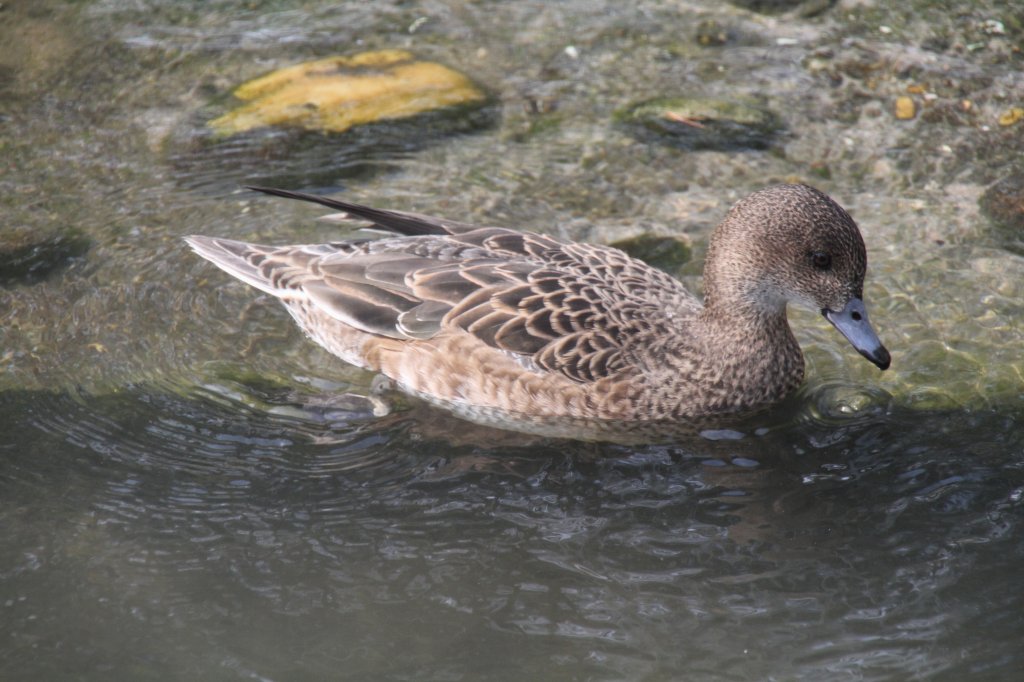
(821, 260)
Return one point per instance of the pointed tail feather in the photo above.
(409, 224)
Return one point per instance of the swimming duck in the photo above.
(529, 332)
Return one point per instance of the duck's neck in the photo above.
(751, 328)
(750, 308)
(754, 355)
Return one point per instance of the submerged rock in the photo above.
(1003, 204)
(26, 259)
(336, 93)
(317, 123)
(711, 33)
(905, 109)
(664, 252)
(803, 8)
(701, 123)
(1011, 116)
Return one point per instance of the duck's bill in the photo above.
(852, 322)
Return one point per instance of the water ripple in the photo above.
(267, 505)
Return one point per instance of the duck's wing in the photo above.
(556, 306)
(584, 311)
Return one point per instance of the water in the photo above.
(190, 489)
(155, 536)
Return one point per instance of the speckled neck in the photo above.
(764, 362)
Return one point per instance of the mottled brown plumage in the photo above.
(529, 332)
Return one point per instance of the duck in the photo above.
(528, 332)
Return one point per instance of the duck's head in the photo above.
(792, 243)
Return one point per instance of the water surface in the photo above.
(190, 489)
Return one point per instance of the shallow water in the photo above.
(189, 489)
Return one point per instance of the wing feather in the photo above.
(559, 307)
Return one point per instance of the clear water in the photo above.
(191, 490)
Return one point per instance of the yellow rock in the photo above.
(1012, 116)
(905, 108)
(336, 93)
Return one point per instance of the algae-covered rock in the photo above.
(664, 252)
(318, 123)
(336, 93)
(803, 8)
(1003, 204)
(701, 123)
